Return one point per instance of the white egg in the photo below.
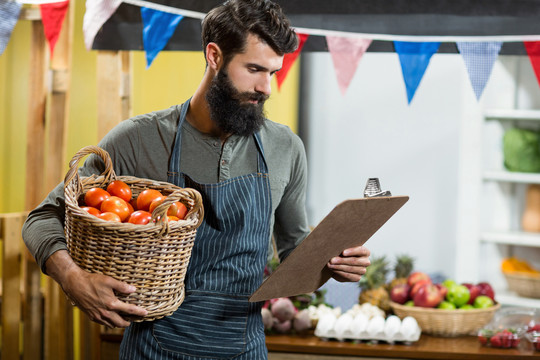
(409, 327)
(326, 323)
(359, 324)
(392, 326)
(375, 325)
(342, 325)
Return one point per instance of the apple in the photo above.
(428, 296)
(446, 305)
(483, 301)
(417, 286)
(409, 303)
(443, 289)
(448, 283)
(486, 289)
(474, 290)
(458, 295)
(400, 293)
(466, 307)
(417, 276)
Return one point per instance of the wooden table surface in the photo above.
(427, 347)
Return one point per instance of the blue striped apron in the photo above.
(216, 320)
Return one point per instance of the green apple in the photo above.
(448, 283)
(446, 305)
(466, 307)
(409, 303)
(458, 295)
(482, 302)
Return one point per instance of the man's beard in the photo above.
(231, 109)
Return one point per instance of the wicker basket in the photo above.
(523, 284)
(442, 322)
(151, 257)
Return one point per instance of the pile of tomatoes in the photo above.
(117, 203)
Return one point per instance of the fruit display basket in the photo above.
(151, 257)
(527, 285)
(441, 322)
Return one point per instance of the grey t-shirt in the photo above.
(142, 147)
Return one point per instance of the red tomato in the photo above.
(133, 203)
(173, 209)
(172, 218)
(109, 216)
(115, 205)
(146, 197)
(91, 210)
(120, 189)
(182, 210)
(131, 209)
(95, 196)
(140, 217)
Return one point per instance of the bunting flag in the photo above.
(97, 13)
(158, 27)
(479, 59)
(414, 58)
(533, 50)
(9, 15)
(289, 59)
(52, 17)
(346, 54)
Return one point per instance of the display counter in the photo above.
(289, 347)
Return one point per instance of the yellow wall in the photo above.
(171, 79)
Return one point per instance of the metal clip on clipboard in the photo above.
(373, 189)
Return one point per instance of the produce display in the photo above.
(116, 203)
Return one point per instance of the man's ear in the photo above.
(214, 56)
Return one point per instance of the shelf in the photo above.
(515, 177)
(519, 238)
(512, 114)
(511, 299)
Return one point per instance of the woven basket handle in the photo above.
(187, 195)
(73, 173)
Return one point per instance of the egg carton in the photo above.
(377, 328)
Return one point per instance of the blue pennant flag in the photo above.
(479, 59)
(414, 58)
(9, 15)
(158, 27)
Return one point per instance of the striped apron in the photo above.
(216, 320)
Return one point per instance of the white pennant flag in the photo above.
(97, 13)
(346, 54)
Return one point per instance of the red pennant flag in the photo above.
(52, 16)
(533, 50)
(289, 59)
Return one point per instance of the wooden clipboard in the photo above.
(351, 223)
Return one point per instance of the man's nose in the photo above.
(264, 86)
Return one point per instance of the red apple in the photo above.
(486, 289)
(474, 290)
(416, 277)
(428, 296)
(418, 285)
(442, 289)
(400, 293)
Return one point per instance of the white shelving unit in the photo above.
(501, 200)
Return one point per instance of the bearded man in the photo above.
(252, 174)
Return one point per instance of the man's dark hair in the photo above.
(229, 24)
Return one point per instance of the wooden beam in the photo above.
(35, 190)
(59, 312)
(114, 95)
(10, 235)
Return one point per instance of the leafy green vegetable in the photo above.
(521, 148)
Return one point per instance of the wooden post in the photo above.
(59, 312)
(10, 236)
(113, 80)
(35, 190)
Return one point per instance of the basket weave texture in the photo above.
(449, 323)
(526, 285)
(152, 257)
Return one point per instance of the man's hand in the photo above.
(350, 265)
(93, 293)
